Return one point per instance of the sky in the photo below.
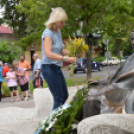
(1, 10)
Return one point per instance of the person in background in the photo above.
(11, 82)
(36, 71)
(24, 64)
(5, 70)
(22, 79)
(1, 78)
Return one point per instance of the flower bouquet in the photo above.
(76, 48)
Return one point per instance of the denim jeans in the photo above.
(56, 82)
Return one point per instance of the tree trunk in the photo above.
(117, 50)
(88, 55)
(103, 49)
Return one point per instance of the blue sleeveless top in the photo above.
(57, 46)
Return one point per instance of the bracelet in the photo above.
(64, 58)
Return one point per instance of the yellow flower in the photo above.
(4, 84)
(76, 46)
(85, 48)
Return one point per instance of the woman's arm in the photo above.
(65, 52)
(49, 54)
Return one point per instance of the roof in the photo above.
(5, 30)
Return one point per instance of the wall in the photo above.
(8, 37)
(32, 49)
(28, 56)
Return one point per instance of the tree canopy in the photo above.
(106, 16)
(15, 19)
(8, 53)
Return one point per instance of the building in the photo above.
(7, 34)
(30, 51)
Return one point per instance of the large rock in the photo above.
(107, 124)
(43, 107)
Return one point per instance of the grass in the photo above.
(73, 81)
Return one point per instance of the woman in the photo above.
(53, 55)
(1, 78)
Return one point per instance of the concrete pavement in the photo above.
(18, 128)
(6, 102)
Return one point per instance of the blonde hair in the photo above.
(16, 62)
(58, 14)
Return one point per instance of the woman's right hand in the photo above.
(72, 60)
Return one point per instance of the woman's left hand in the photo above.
(72, 60)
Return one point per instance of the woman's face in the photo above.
(60, 24)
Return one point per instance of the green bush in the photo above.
(99, 58)
(8, 52)
(6, 90)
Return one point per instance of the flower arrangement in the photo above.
(64, 120)
(76, 48)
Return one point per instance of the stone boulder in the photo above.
(107, 124)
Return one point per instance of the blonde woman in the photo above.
(53, 55)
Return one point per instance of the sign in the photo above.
(108, 54)
(105, 41)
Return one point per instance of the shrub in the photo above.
(99, 58)
(8, 53)
(6, 90)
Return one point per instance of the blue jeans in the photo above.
(56, 82)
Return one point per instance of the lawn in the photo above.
(73, 81)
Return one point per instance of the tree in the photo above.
(119, 24)
(8, 53)
(93, 15)
(1, 21)
(14, 19)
